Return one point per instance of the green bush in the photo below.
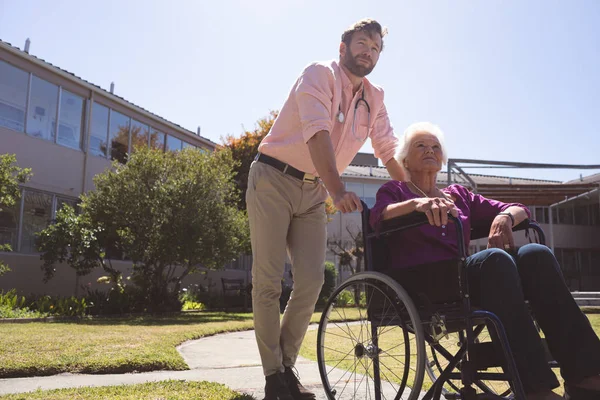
(345, 299)
(192, 305)
(329, 284)
(15, 306)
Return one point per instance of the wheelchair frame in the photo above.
(460, 312)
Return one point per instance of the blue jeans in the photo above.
(500, 283)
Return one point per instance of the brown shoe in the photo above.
(298, 391)
(276, 388)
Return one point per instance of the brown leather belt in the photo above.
(286, 168)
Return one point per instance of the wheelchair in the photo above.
(375, 341)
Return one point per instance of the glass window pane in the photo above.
(43, 104)
(541, 215)
(173, 144)
(356, 188)
(61, 202)
(581, 215)
(595, 216)
(37, 212)
(119, 136)
(157, 140)
(139, 135)
(99, 130)
(565, 215)
(13, 96)
(70, 124)
(370, 194)
(9, 225)
(186, 145)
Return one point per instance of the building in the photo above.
(66, 130)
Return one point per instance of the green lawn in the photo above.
(105, 346)
(342, 340)
(165, 390)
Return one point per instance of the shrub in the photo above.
(329, 284)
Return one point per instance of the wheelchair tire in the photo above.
(370, 341)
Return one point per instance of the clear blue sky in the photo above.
(506, 80)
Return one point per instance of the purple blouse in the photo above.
(428, 243)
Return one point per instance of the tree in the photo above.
(169, 213)
(350, 253)
(10, 178)
(244, 149)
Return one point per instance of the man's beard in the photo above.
(354, 67)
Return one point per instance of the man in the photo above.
(331, 110)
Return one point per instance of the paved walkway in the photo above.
(231, 359)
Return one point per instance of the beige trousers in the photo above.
(285, 213)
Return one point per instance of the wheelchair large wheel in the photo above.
(437, 363)
(370, 343)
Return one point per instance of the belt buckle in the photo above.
(309, 178)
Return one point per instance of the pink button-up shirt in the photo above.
(313, 105)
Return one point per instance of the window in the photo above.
(565, 215)
(60, 202)
(157, 140)
(139, 135)
(118, 136)
(356, 188)
(541, 215)
(595, 262)
(70, 125)
(13, 96)
(581, 215)
(43, 104)
(9, 225)
(173, 144)
(370, 194)
(99, 130)
(186, 145)
(37, 212)
(554, 215)
(595, 216)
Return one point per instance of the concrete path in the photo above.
(231, 359)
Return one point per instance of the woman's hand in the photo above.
(501, 235)
(436, 209)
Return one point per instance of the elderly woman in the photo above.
(501, 277)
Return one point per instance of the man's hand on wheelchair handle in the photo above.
(436, 209)
(347, 202)
(501, 235)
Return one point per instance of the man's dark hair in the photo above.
(368, 25)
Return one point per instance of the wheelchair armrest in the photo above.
(414, 220)
(402, 223)
(529, 224)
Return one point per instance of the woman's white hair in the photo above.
(409, 134)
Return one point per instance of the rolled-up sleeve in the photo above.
(314, 94)
(383, 139)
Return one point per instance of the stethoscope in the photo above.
(341, 117)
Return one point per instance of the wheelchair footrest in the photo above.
(484, 356)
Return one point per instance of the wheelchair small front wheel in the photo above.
(370, 342)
